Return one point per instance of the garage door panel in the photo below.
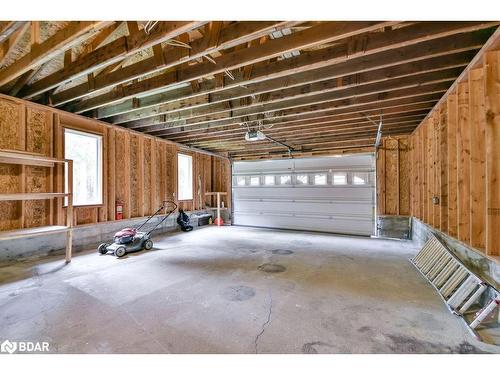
(357, 226)
(338, 208)
(319, 208)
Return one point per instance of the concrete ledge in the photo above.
(84, 237)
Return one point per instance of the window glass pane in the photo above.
(359, 178)
(285, 179)
(339, 178)
(301, 179)
(240, 181)
(254, 181)
(269, 180)
(320, 179)
(85, 149)
(185, 176)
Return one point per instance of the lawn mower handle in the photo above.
(163, 205)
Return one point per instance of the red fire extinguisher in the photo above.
(119, 210)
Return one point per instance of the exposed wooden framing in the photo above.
(351, 122)
(399, 105)
(378, 42)
(337, 81)
(170, 57)
(492, 139)
(64, 39)
(9, 44)
(117, 181)
(9, 28)
(322, 104)
(323, 33)
(108, 54)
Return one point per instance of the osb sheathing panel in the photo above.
(39, 131)
(36, 212)
(12, 131)
(86, 215)
(10, 181)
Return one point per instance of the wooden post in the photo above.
(218, 209)
(452, 163)
(463, 163)
(69, 213)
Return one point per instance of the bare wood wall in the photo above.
(456, 159)
(139, 170)
(393, 176)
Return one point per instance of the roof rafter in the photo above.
(110, 53)
(62, 40)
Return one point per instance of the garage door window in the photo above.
(185, 174)
(240, 181)
(359, 178)
(320, 179)
(285, 180)
(85, 149)
(301, 179)
(269, 180)
(340, 178)
(254, 181)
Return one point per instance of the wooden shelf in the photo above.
(30, 196)
(28, 232)
(24, 158)
(216, 192)
(14, 157)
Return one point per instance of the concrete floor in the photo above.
(233, 290)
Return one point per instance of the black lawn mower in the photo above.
(130, 240)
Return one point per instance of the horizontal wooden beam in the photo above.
(325, 32)
(380, 89)
(62, 40)
(434, 38)
(412, 95)
(110, 53)
(292, 138)
(311, 127)
(10, 28)
(309, 115)
(339, 83)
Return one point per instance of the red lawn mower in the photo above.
(130, 240)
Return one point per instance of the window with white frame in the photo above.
(185, 177)
(320, 179)
(285, 179)
(85, 149)
(339, 178)
(240, 181)
(359, 178)
(269, 180)
(254, 181)
(301, 179)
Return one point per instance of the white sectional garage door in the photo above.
(328, 194)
